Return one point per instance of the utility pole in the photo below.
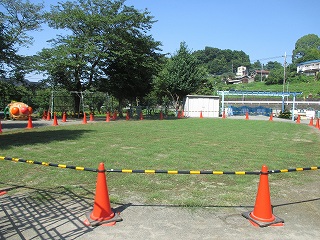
(284, 70)
(52, 104)
(284, 79)
(261, 72)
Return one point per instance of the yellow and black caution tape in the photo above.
(48, 164)
(293, 170)
(152, 171)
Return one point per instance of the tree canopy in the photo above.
(16, 20)
(306, 48)
(219, 61)
(181, 75)
(107, 47)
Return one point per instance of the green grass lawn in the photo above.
(185, 144)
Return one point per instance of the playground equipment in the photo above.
(18, 110)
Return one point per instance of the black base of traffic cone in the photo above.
(276, 222)
(110, 222)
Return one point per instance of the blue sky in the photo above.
(262, 29)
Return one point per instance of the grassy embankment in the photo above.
(308, 89)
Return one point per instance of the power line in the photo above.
(269, 58)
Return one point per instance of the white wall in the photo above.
(195, 104)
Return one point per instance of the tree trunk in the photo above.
(78, 96)
(77, 107)
(120, 108)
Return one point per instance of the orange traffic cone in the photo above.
(55, 121)
(247, 116)
(271, 117)
(29, 126)
(64, 117)
(298, 119)
(311, 121)
(161, 115)
(84, 118)
(0, 127)
(108, 117)
(201, 116)
(141, 116)
(102, 213)
(44, 115)
(223, 115)
(318, 124)
(179, 114)
(262, 213)
(91, 117)
(127, 116)
(114, 117)
(48, 116)
(2, 192)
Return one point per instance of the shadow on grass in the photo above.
(44, 137)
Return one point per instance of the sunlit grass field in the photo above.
(181, 144)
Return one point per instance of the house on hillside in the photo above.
(309, 68)
(244, 79)
(262, 73)
(241, 76)
(241, 72)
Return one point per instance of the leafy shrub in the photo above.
(285, 114)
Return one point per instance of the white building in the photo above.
(309, 67)
(241, 71)
(208, 106)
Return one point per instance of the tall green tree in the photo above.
(104, 40)
(7, 52)
(134, 58)
(256, 65)
(272, 65)
(17, 19)
(130, 72)
(306, 48)
(182, 75)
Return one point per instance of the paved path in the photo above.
(8, 125)
(59, 214)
